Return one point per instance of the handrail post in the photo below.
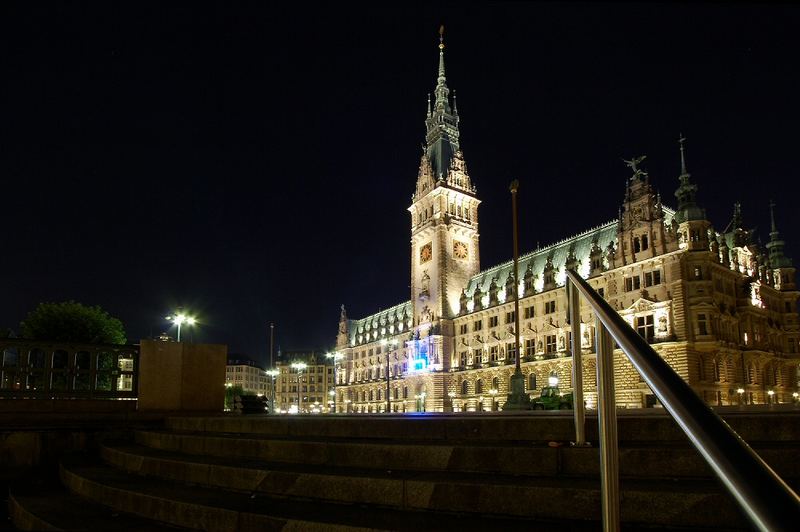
(577, 364)
(607, 418)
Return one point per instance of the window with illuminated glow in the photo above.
(646, 327)
(550, 343)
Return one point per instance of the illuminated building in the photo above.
(315, 381)
(720, 308)
(244, 372)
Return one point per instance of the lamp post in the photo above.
(179, 319)
(386, 343)
(299, 366)
(517, 399)
(771, 394)
(452, 395)
(273, 373)
(493, 393)
(332, 401)
(335, 356)
(740, 391)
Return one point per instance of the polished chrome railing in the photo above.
(32, 369)
(765, 498)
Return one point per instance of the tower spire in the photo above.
(686, 192)
(775, 245)
(442, 122)
(441, 55)
(681, 140)
(772, 219)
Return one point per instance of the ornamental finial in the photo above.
(441, 37)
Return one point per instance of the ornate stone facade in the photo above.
(717, 306)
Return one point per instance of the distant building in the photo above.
(243, 371)
(718, 306)
(307, 390)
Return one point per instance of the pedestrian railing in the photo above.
(31, 369)
(765, 498)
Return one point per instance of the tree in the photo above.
(70, 321)
(230, 393)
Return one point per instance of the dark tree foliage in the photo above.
(70, 321)
(230, 393)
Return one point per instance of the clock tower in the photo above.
(444, 218)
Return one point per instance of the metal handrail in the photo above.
(765, 498)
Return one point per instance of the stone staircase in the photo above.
(464, 472)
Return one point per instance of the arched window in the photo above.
(380, 395)
(717, 371)
(464, 387)
(479, 386)
(496, 383)
(531, 381)
(370, 395)
(636, 246)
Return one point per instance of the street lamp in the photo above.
(299, 366)
(493, 393)
(452, 395)
(386, 343)
(771, 394)
(179, 319)
(740, 391)
(335, 356)
(273, 373)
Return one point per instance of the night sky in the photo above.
(254, 163)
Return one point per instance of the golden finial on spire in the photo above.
(441, 37)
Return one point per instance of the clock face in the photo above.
(460, 250)
(425, 252)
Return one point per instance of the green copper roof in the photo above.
(580, 245)
(388, 321)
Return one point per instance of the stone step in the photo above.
(54, 508)
(202, 508)
(780, 423)
(476, 456)
(664, 502)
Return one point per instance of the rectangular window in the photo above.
(463, 359)
(511, 351)
(494, 353)
(477, 325)
(477, 354)
(652, 278)
(463, 328)
(492, 321)
(632, 283)
(702, 325)
(529, 312)
(549, 307)
(510, 317)
(550, 343)
(530, 348)
(645, 328)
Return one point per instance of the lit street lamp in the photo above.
(493, 393)
(740, 391)
(771, 394)
(299, 366)
(335, 356)
(179, 319)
